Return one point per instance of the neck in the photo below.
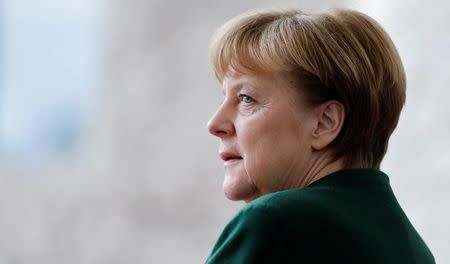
(319, 168)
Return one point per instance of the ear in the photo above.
(328, 123)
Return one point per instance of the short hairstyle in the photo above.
(338, 54)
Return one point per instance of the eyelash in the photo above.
(242, 96)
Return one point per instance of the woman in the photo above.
(310, 102)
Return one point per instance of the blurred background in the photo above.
(104, 152)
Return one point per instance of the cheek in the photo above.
(259, 143)
(273, 148)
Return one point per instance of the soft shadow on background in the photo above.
(104, 152)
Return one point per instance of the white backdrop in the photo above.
(147, 188)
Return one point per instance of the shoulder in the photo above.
(267, 228)
(279, 207)
(280, 210)
(253, 218)
(301, 202)
(254, 235)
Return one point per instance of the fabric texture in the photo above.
(349, 216)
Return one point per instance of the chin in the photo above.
(232, 196)
(236, 190)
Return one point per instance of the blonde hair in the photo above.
(339, 55)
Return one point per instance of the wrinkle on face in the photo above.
(271, 137)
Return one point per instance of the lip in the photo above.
(231, 162)
(229, 156)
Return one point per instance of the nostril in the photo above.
(220, 129)
(221, 133)
(218, 132)
(215, 132)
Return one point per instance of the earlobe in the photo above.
(330, 118)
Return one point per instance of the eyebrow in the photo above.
(237, 86)
(240, 86)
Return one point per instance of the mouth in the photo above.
(229, 157)
(231, 162)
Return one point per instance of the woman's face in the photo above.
(265, 134)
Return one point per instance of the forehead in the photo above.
(281, 85)
(237, 80)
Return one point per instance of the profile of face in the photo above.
(266, 134)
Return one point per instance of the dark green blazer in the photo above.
(349, 216)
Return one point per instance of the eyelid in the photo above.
(242, 95)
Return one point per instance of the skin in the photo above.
(282, 141)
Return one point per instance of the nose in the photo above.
(221, 124)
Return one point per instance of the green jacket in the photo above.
(349, 216)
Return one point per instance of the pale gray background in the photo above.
(145, 183)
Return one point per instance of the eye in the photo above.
(246, 99)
